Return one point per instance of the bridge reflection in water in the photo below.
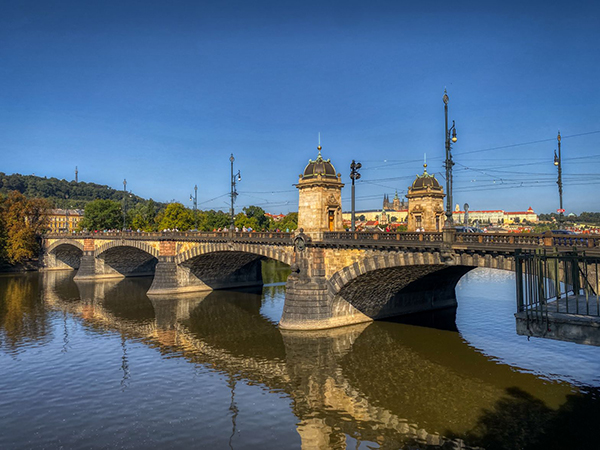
(397, 386)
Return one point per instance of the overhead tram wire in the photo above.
(408, 161)
(525, 143)
(213, 199)
(518, 186)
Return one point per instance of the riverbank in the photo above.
(27, 266)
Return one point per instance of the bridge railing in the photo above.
(576, 240)
(501, 239)
(275, 237)
(530, 240)
(382, 236)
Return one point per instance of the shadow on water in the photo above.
(125, 298)
(521, 421)
(231, 320)
(442, 319)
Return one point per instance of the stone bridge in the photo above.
(337, 278)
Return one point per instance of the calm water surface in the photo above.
(100, 365)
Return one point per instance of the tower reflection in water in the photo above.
(386, 384)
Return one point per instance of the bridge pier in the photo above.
(165, 277)
(87, 266)
(309, 303)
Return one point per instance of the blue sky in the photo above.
(161, 93)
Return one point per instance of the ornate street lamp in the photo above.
(194, 199)
(354, 175)
(450, 135)
(558, 164)
(233, 190)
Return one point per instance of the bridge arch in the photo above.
(71, 242)
(125, 258)
(126, 243)
(63, 254)
(399, 259)
(271, 252)
(400, 283)
(225, 265)
(372, 263)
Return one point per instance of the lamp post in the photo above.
(558, 164)
(124, 201)
(450, 134)
(354, 175)
(233, 191)
(67, 210)
(195, 205)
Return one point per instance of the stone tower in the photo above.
(397, 205)
(320, 197)
(425, 203)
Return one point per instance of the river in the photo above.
(101, 365)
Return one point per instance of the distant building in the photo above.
(395, 211)
(495, 217)
(275, 217)
(64, 220)
(395, 205)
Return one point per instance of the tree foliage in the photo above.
(62, 193)
(22, 221)
(102, 215)
(289, 222)
(242, 220)
(213, 220)
(258, 214)
(143, 216)
(175, 216)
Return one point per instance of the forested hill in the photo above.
(62, 193)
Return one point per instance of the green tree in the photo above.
(256, 212)
(176, 216)
(289, 222)
(102, 215)
(213, 220)
(143, 216)
(241, 220)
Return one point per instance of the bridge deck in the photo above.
(503, 242)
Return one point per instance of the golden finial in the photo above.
(319, 146)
